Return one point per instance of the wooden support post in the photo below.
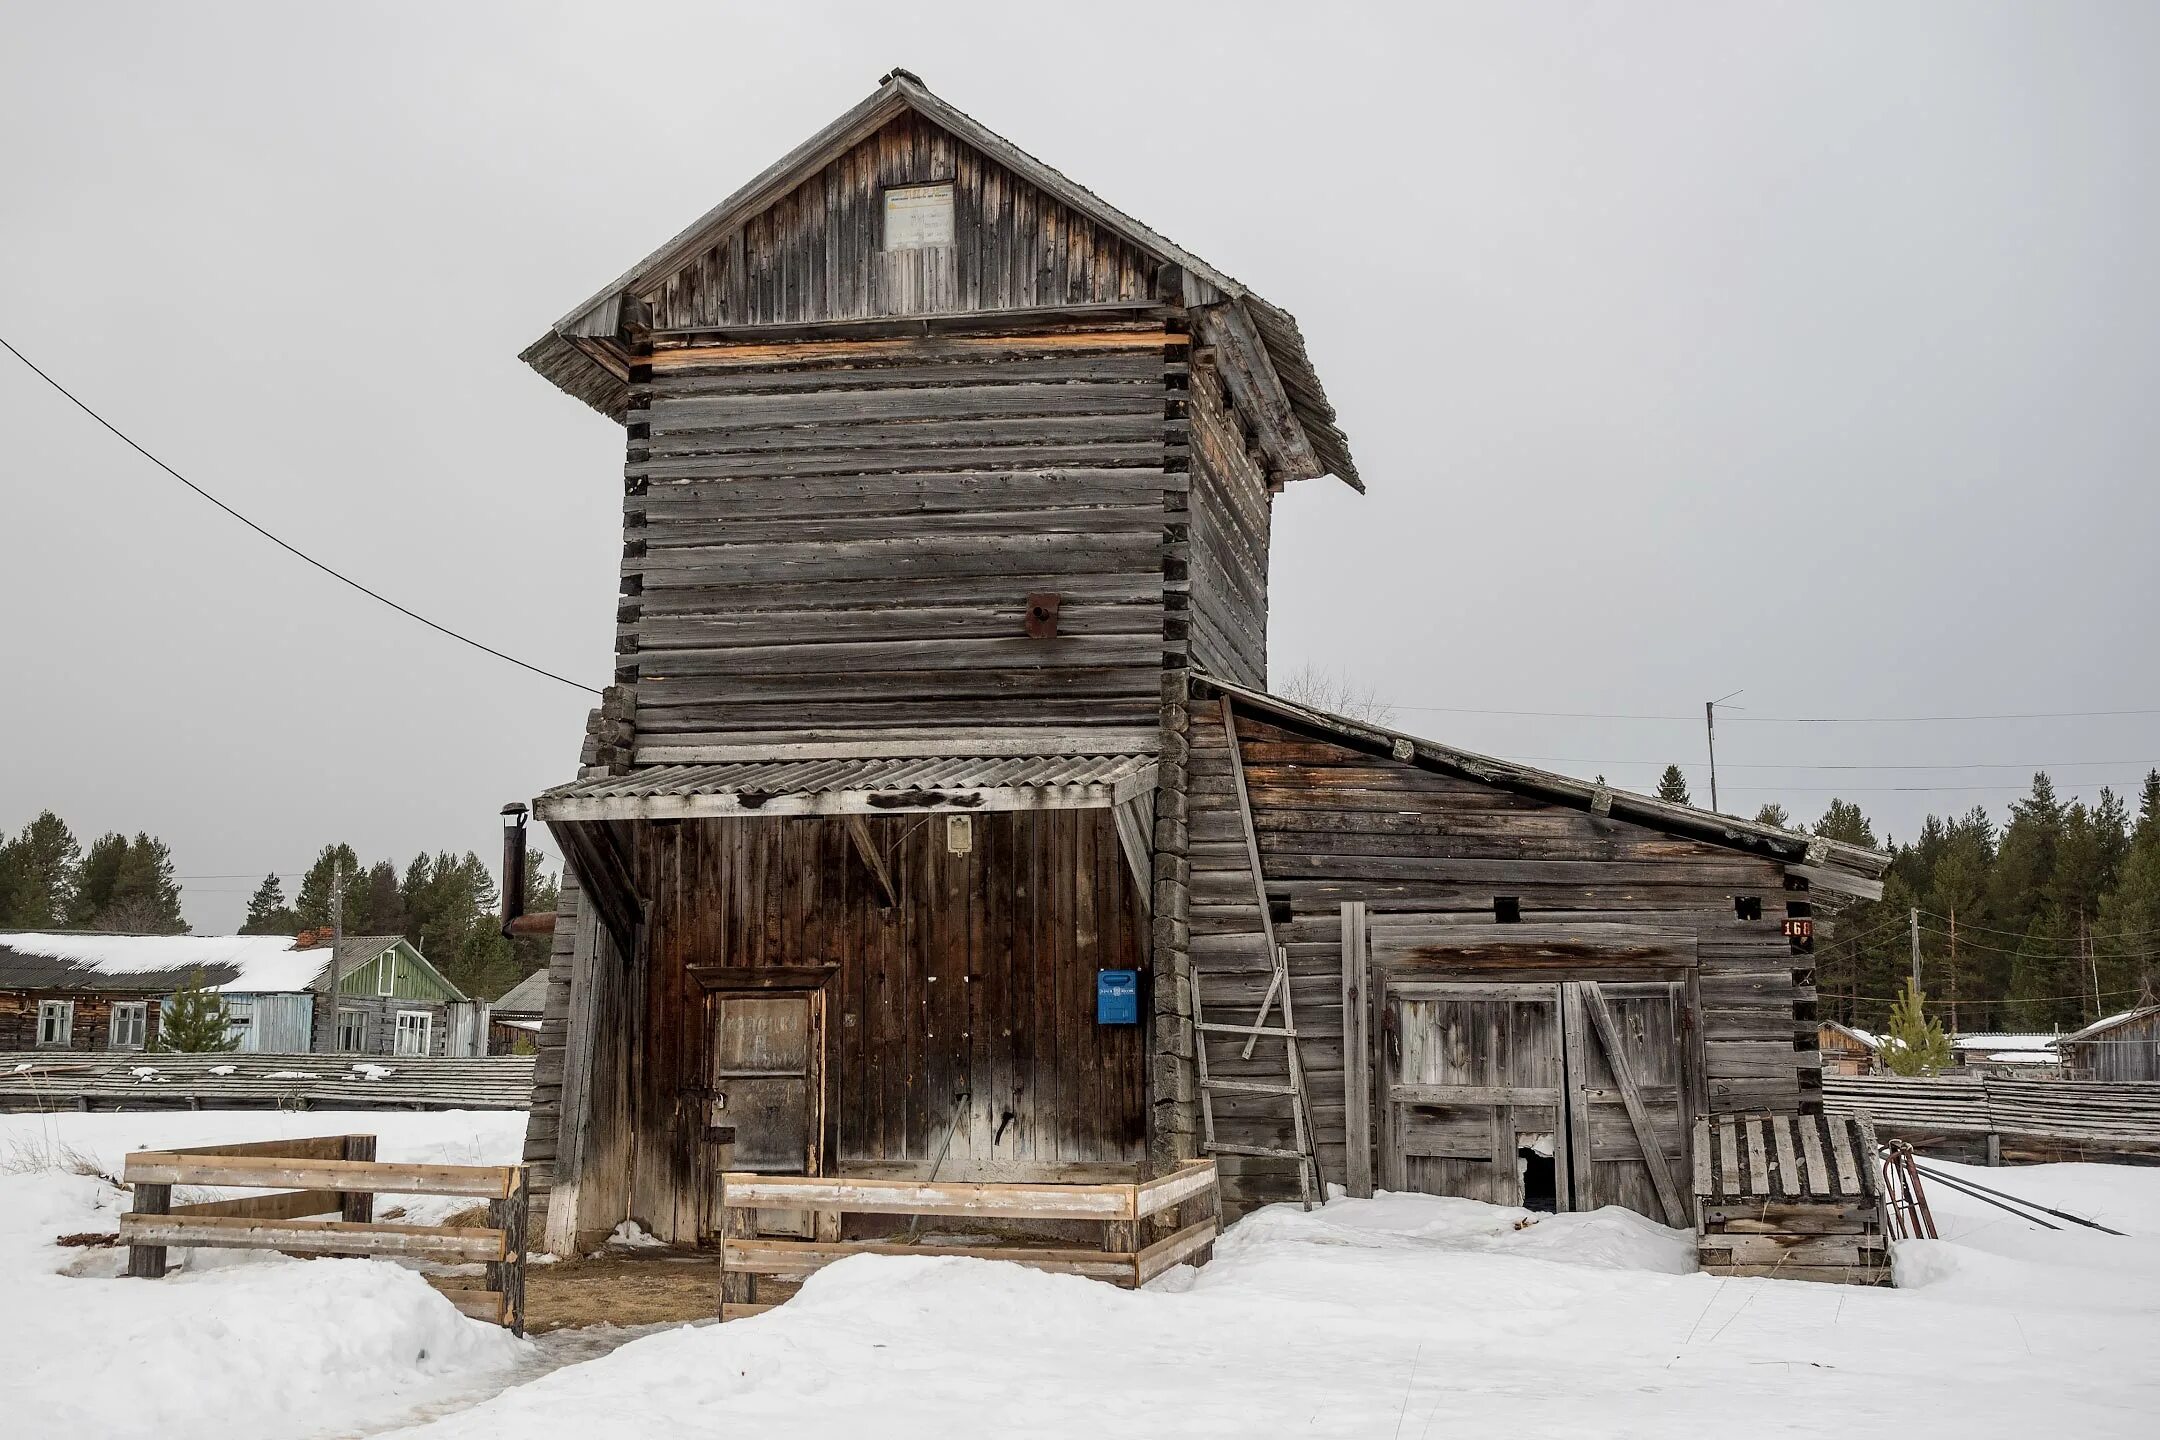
(358, 1205)
(1994, 1149)
(1122, 1238)
(737, 1287)
(147, 1262)
(1357, 1053)
(506, 1277)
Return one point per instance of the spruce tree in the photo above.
(312, 903)
(1774, 814)
(196, 1022)
(95, 879)
(1672, 786)
(1913, 1044)
(268, 914)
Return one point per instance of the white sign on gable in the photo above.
(918, 216)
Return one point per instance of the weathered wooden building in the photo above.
(938, 759)
(1847, 1051)
(2120, 1047)
(88, 991)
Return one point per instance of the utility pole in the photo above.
(1709, 720)
(1916, 950)
(328, 1029)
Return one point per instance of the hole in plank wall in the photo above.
(1747, 907)
(1540, 1178)
(1507, 910)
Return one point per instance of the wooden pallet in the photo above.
(1791, 1197)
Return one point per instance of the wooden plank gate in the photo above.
(1564, 1093)
(329, 1175)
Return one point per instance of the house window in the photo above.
(130, 1020)
(918, 216)
(384, 974)
(55, 1022)
(352, 1030)
(415, 1029)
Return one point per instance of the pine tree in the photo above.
(1913, 1044)
(95, 878)
(1672, 786)
(312, 904)
(1774, 814)
(1844, 821)
(268, 914)
(382, 907)
(2041, 975)
(127, 885)
(196, 1022)
(37, 874)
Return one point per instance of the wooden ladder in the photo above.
(1308, 1170)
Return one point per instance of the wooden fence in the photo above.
(1189, 1193)
(329, 1174)
(1993, 1121)
(161, 1080)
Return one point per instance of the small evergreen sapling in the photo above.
(196, 1022)
(1914, 1044)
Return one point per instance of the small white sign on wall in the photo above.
(918, 216)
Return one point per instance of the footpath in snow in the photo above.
(1403, 1316)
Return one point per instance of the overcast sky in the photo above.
(1805, 350)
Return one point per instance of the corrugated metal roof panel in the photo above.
(755, 786)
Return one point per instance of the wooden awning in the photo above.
(919, 784)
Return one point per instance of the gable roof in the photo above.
(161, 964)
(527, 997)
(570, 358)
(2102, 1026)
(1825, 864)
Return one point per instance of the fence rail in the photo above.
(329, 1174)
(1189, 1197)
(2109, 1117)
(158, 1080)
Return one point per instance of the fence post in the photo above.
(147, 1262)
(358, 1205)
(737, 1287)
(506, 1277)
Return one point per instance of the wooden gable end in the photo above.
(818, 253)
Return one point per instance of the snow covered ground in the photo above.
(1403, 1316)
(237, 1344)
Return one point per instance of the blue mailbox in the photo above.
(1117, 997)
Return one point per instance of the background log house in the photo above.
(947, 503)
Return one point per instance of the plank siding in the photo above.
(818, 254)
(1335, 824)
(849, 548)
(981, 981)
(1230, 508)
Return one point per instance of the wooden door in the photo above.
(767, 1079)
(1471, 1089)
(1628, 1088)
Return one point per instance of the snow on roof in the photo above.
(1996, 1040)
(2098, 1026)
(233, 964)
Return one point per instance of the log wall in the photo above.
(834, 544)
(93, 1018)
(1335, 824)
(1231, 505)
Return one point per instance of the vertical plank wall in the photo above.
(981, 981)
(1335, 824)
(818, 254)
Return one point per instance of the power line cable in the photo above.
(292, 549)
(2019, 935)
(1776, 719)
